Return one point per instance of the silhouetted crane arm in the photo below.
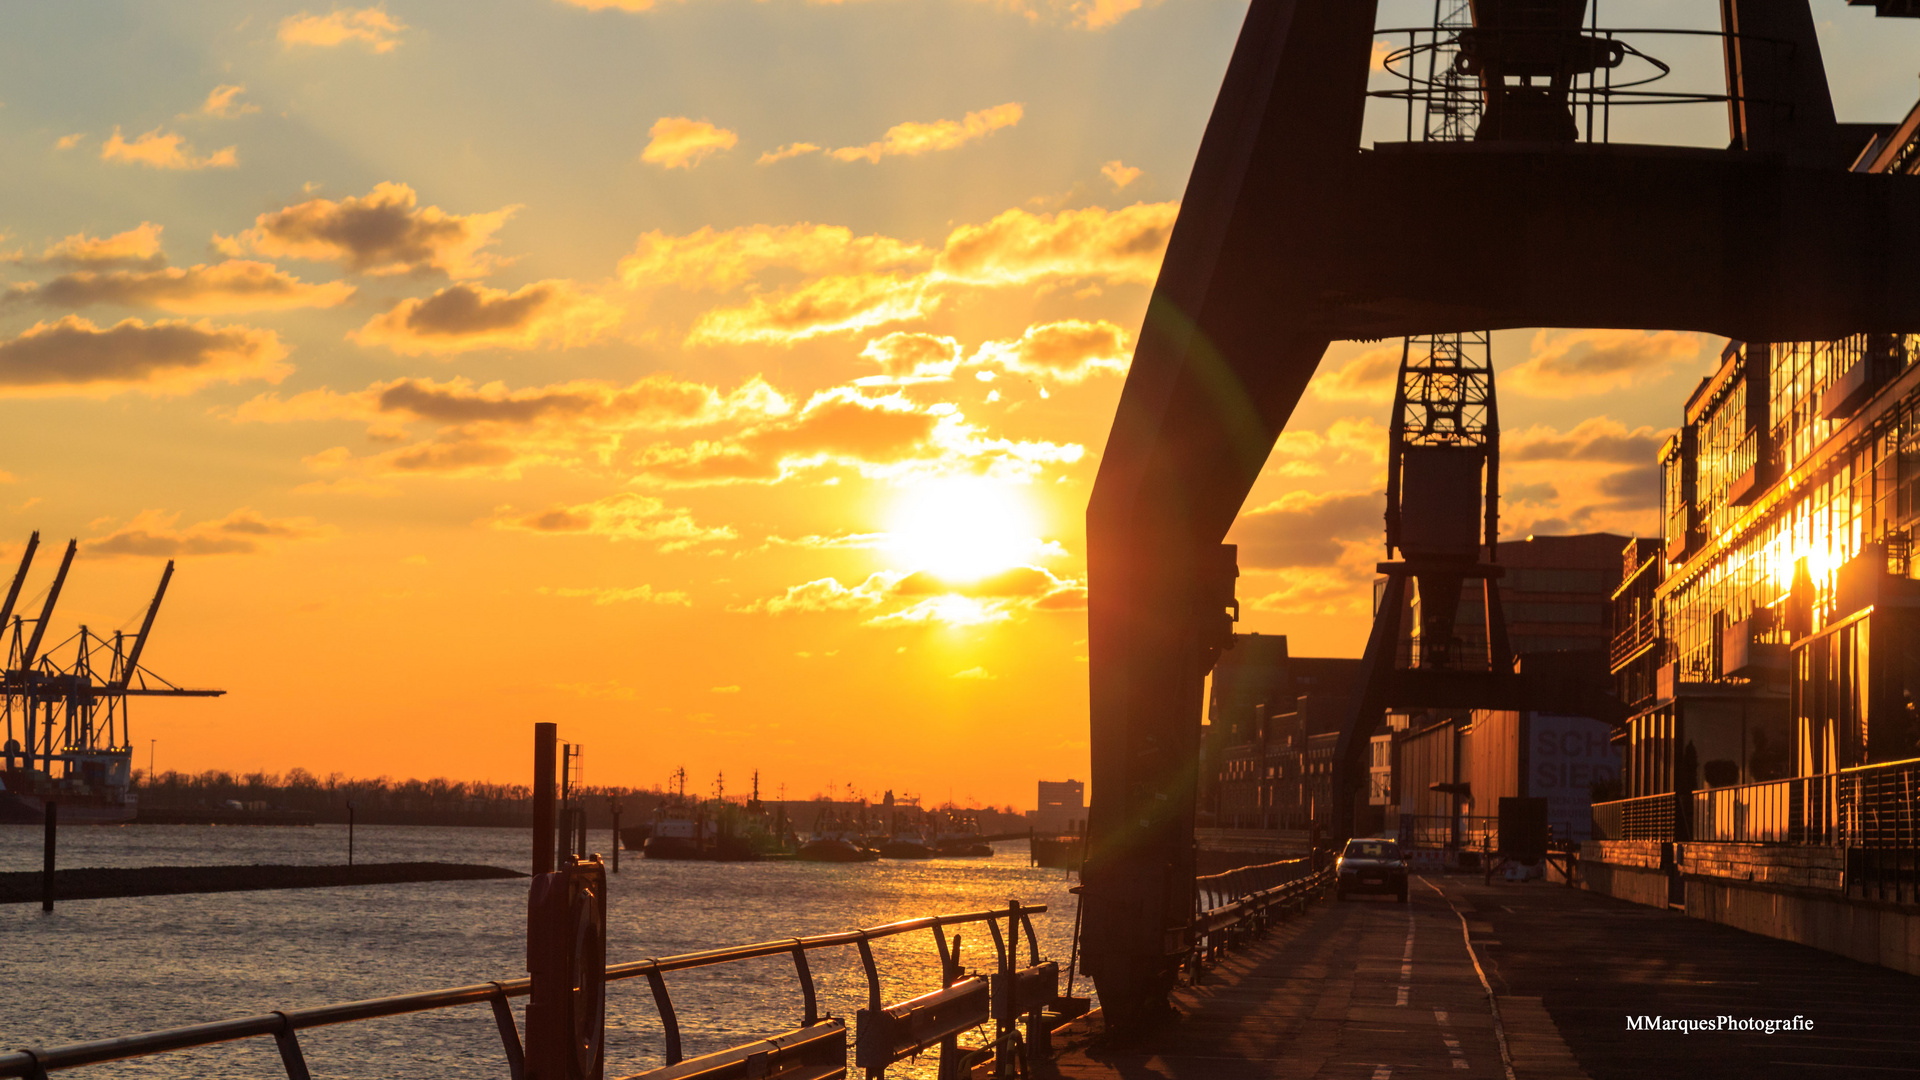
(46, 611)
(19, 579)
(146, 627)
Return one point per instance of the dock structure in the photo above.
(1530, 981)
(1292, 235)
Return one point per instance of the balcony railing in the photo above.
(1797, 810)
(1645, 817)
(1635, 636)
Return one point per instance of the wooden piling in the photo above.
(46, 865)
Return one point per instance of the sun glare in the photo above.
(962, 529)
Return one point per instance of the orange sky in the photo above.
(722, 380)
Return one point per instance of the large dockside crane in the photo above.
(1292, 236)
(66, 709)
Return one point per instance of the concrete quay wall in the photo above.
(1792, 893)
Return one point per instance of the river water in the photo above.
(98, 968)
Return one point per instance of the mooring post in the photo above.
(46, 865)
(543, 746)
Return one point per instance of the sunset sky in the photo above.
(721, 379)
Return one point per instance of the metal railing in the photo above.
(1635, 636)
(1233, 905)
(1645, 817)
(282, 1025)
(1878, 806)
(1449, 832)
(1797, 810)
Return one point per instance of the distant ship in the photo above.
(959, 838)
(94, 791)
(836, 840)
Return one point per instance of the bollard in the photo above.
(543, 849)
(46, 866)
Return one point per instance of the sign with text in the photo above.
(1566, 756)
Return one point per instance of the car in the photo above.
(1371, 866)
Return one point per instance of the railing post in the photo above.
(509, 1034)
(811, 1007)
(290, 1057)
(669, 1023)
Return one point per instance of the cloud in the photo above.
(616, 5)
(136, 249)
(639, 593)
(791, 150)
(462, 318)
(921, 598)
(912, 138)
(1120, 175)
(1304, 529)
(830, 305)
(244, 532)
(225, 102)
(68, 142)
(73, 356)
(839, 425)
(1338, 590)
(1369, 377)
(495, 431)
(974, 674)
(721, 261)
(725, 690)
(384, 232)
(1083, 14)
(1596, 439)
(1068, 351)
(623, 516)
(158, 149)
(908, 358)
(1021, 248)
(680, 143)
(231, 286)
(1578, 363)
(371, 27)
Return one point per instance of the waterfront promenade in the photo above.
(1374, 989)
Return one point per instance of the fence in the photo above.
(1797, 810)
(1469, 832)
(909, 1027)
(1645, 817)
(1230, 906)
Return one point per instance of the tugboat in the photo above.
(959, 838)
(836, 840)
(907, 843)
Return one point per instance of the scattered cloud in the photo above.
(68, 142)
(1067, 351)
(1377, 56)
(725, 260)
(371, 27)
(1304, 529)
(151, 534)
(1120, 175)
(73, 356)
(224, 102)
(907, 358)
(616, 5)
(1022, 248)
(724, 690)
(1577, 363)
(892, 599)
(464, 317)
(680, 143)
(791, 150)
(974, 674)
(384, 232)
(623, 516)
(1369, 377)
(1596, 439)
(160, 149)
(1331, 590)
(829, 305)
(603, 597)
(913, 138)
(231, 286)
(136, 249)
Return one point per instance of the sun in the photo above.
(964, 528)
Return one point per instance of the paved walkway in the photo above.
(1374, 989)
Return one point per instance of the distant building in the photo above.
(1272, 722)
(1062, 810)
